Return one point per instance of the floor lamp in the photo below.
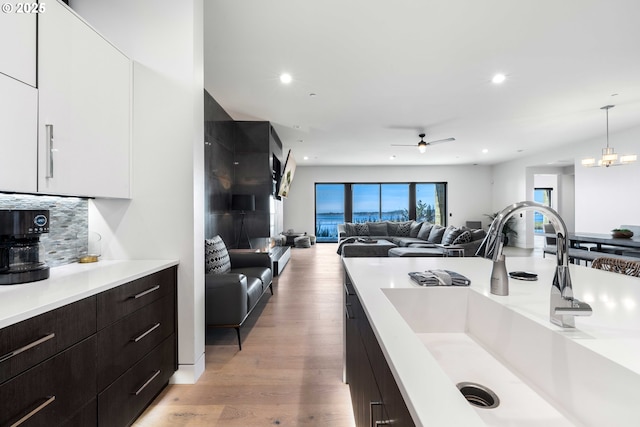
(243, 203)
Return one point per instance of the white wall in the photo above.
(165, 217)
(602, 198)
(469, 189)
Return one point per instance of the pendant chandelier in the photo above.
(609, 156)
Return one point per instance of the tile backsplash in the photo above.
(68, 224)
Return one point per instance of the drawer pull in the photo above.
(155, 374)
(26, 347)
(148, 291)
(147, 332)
(34, 411)
(346, 311)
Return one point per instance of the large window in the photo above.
(370, 202)
(329, 211)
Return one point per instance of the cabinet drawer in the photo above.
(118, 302)
(31, 341)
(126, 398)
(128, 340)
(52, 391)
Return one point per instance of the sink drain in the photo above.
(479, 395)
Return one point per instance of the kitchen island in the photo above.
(544, 375)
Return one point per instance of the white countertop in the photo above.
(612, 332)
(70, 283)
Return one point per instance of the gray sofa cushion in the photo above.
(424, 231)
(435, 236)
(378, 229)
(414, 229)
(451, 233)
(478, 234)
(392, 228)
(216, 257)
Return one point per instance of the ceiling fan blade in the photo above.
(440, 141)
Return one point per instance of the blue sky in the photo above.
(330, 197)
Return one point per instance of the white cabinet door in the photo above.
(85, 104)
(18, 41)
(18, 136)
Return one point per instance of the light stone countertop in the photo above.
(612, 332)
(70, 283)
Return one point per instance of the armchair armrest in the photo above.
(249, 259)
(225, 299)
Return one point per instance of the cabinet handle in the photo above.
(371, 417)
(147, 332)
(143, 293)
(346, 311)
(146, 383)
(34, 411)
(49, 131)
(26, 347)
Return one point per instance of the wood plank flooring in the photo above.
(289, 372)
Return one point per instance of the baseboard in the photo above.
(188, 374)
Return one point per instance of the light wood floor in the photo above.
(289, 372)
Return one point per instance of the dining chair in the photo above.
(630, 268)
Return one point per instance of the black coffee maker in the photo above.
(22, 257)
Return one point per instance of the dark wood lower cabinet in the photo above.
(375, 395)
(72, 367)
(125, 399)
(51, 393)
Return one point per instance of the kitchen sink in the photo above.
(542, 374)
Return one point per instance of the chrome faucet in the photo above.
(563, 306)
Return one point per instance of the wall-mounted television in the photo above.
(287, 175)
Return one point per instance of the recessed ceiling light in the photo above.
(313, 94)
(392, 157)
(485, 151)
(498, 78)
(296, 126)
(306, 157)
(286, 78)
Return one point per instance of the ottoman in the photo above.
(415, 252)
(302, 242)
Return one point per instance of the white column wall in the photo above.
(469, 189)
(165, 217)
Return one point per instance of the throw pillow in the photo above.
(350, 229)
(414, 229)
(425, 230)
(403, 229)
(362, 229)
(451, 234)
(392, 228)
(378, 229)
(435, 236)
(216, 257)
(465, 237)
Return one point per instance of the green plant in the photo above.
(509, 228)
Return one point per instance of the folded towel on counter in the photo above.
(439, 278)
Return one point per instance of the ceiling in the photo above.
(384, 71)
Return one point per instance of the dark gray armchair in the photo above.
(232, 292)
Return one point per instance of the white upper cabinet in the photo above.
(84, 121)
(18, 136)
(18, 41)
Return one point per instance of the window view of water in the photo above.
(371, 203)
(541, 195)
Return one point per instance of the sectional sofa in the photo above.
(412, 234)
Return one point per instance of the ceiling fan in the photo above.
(422, 145)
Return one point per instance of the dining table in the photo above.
(600, 239)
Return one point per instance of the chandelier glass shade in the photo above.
(609, 156)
